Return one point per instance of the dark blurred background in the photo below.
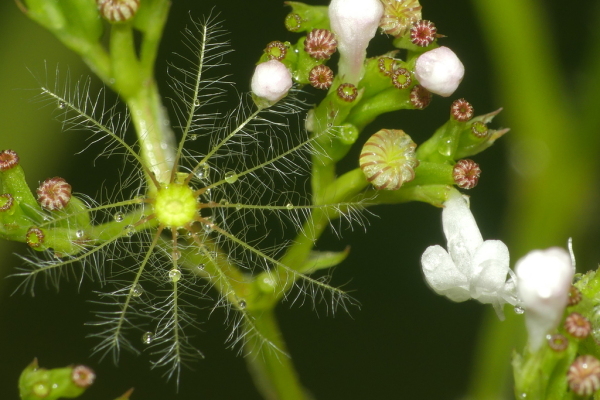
(403, 342)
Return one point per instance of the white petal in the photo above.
(490, 267)
(543, 281)
(443, 276)
(461, 231)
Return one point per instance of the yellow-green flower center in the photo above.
(175, 205)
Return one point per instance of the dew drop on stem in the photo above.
(230, 177)
(79, 234)
(174, 275)
(119, 217)
(137, 290)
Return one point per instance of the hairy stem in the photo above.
(273, 372)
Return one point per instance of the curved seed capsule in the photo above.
(388, 159)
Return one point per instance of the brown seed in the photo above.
(584, 375)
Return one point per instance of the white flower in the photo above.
(354, 23)
(471, 268)
(544, 279)
(271, 81)
(439, 71)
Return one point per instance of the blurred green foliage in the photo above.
(538, 60)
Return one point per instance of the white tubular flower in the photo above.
(471, 268)
(271, 81)
(544, 279)
(439, 71)
(354, 23)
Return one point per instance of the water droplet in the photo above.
(289, 206)
(196, 103)
(80, 234)
(200, 267)
(129, 230)
(61, 105)
(137, 291)
(519, 310)
(119, 217)
(176, 255)
(242, 304)
(192, 137)
(230, 177)
(147, 337)
(224, 202)
(238, 206)
(203, 172)
(175, 275)
(208, 224)
(523, 395)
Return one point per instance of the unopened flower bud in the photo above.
(583, 375)
(543, 282)
(320, 44)
(398, 15)
(439, 71)
(321, 77)
(54, 194)
(466, 174)
(271, 81)
(118, 10)
(354, 23)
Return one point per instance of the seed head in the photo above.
(461, 110)
(423, 33)
(276, 50)
(388, 159)
(466, 174)
(558, 342)
(320, 44)
(54, 194)
(34, 237)
(584, 375)
(401, 78)
(577, 325)
(420, 97)
(398, 16)
(8, 159)
(83, 376)
(321, 77)
(347, 92)
(118, 10)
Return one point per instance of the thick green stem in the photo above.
(550, 197)
(272, 371)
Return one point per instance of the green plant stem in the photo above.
(550, 198)
(273, 372)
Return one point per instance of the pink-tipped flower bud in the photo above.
(354, 23)
(271, 81)
(439, 71)
(543, 283)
